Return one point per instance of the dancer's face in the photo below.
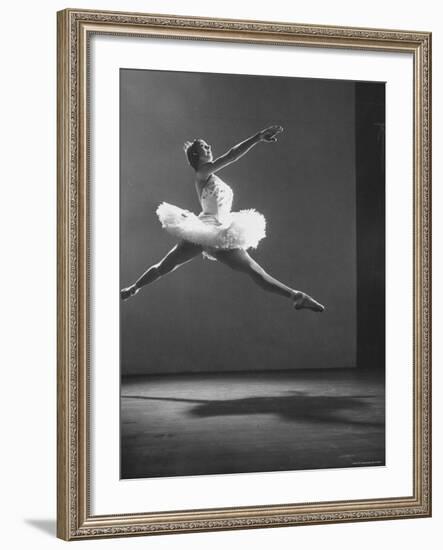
(205, 151)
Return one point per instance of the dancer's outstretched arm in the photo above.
(268, 135)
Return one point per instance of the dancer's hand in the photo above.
(270, 134)
(129, 291)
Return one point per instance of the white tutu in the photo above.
(243, 229)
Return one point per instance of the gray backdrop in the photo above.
(205, 317)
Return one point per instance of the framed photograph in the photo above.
(244, 248)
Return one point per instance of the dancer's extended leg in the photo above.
(240, 260)
(182, 253)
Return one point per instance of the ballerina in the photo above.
(216, 232)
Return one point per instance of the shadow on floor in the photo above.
(48, 526)
(353, 409)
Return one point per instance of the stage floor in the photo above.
(198, 424)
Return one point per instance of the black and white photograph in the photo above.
(235, 245)
(252, 273)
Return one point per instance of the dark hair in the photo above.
(192, 152)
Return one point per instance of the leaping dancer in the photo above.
(216, 232)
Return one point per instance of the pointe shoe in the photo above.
(304, 301)
(126, 293)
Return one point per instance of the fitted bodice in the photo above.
(216, 198)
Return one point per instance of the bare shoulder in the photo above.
(205, 171)
(202, 178)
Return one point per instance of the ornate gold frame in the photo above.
(74, 520)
